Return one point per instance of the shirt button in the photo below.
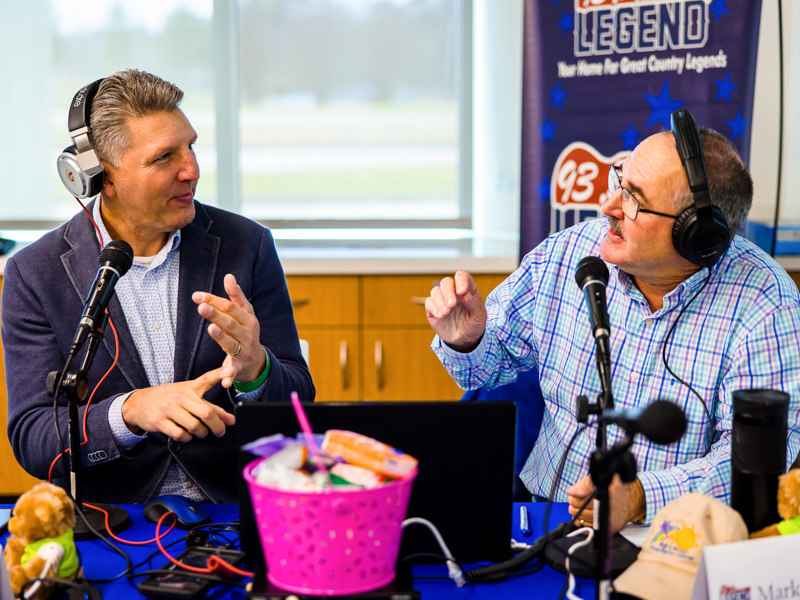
(189, 485)
(634, 376)
(648, 322)
(156, 325)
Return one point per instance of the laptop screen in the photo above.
(466, 466)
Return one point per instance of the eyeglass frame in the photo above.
(615, 181)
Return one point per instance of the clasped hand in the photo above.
(179, 409)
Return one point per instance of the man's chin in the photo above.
(612, 251)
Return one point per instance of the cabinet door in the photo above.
(399, 365)
(333, 356)
(14, 480)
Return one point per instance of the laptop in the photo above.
(465, 478)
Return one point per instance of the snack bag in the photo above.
(366, 452)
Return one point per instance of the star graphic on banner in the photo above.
(718, 8)
(567, 22)
(725, 87)
(557, 95)
(662, 106)
(548, 130)
(544, 190)
(629, 137)
(737, 125)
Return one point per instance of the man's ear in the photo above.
(108, 184)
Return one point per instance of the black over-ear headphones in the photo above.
(701, 233)
(78, 166)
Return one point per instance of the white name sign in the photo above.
(761, 569)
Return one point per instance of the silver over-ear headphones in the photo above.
(78, 166)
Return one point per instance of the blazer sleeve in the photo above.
(33, 347)
(273, 307)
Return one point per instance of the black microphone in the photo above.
(592, 277)
(115, 260)
(661, 422)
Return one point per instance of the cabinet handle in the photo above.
(418, 300)
(379, 363)
(298, 302)
(343, 363)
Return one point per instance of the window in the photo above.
(310, 113)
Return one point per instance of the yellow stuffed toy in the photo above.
(788, 507)
(41, 542)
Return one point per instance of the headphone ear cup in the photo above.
(701, 241)
(81, 183)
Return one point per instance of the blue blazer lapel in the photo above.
(81, 264)
(198, 272)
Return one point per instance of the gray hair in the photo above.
(729, 183)
(124, 95)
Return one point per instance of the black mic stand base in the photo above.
(585, 561)
(118, 521)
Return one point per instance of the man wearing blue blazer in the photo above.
(203, 317)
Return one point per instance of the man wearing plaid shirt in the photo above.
(732, 326)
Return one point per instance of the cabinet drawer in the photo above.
(325, 300)
(400, 299)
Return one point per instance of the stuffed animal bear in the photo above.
(41, 530)
(788, 507)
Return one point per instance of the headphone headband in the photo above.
(700, 234)
(690, 149)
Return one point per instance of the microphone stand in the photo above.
(75, 386)
(608, 556)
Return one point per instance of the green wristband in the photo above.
(251, 386)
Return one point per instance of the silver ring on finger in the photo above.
(238, 349)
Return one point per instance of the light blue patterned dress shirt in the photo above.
(741, 332)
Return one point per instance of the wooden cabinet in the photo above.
(369, 338)
(13, 478)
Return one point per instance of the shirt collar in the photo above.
(687, 287)
(173, 241)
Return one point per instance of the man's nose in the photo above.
(613, 204)
(190, 170)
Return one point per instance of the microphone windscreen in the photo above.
(591, 268)
(662, 422)
(117, 254)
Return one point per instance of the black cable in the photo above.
(500, 571)
(780, 131)
(184, 573)
(77, 584)
(56, 394)
(559, 469)
(671, 372)
(105, 540)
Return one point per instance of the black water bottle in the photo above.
(758, 454)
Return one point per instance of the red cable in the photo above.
(119, 539)
(215, 563)
(103, 378)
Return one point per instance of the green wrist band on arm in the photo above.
(251, 386)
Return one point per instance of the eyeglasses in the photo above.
(630, 205)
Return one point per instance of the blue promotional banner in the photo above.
(600, 76)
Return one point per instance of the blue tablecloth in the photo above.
(100, 562)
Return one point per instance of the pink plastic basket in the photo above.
(330, 542)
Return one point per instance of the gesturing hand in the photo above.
(456, 312)
(178, 409)
(235, 328)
